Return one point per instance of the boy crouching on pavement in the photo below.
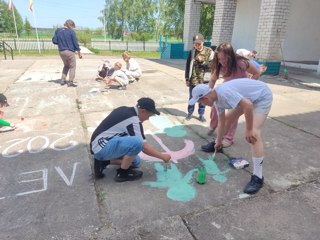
(118, 76)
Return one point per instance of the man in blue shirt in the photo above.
(67, 43)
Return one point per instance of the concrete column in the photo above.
(191, 22)
(224, 16)
(272, 28)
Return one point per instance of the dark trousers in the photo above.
(69, 65)
(201, 107)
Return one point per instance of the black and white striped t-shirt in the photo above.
(121, 122)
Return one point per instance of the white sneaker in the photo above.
(226, 143)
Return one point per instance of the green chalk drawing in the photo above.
(212, 169)
(179, 187)
(175, 130)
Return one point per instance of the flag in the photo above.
(30, 5)
(10, 5)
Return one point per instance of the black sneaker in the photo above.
(71, 84)
(254, 185)
(63, 82)
(127, 175)
(189, 116)
(210, 147)
(99, 166)
(202, 119)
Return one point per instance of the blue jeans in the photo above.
(118, 147)
(201, 107)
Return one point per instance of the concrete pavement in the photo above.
(47, 191)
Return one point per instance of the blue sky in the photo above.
(49, 13)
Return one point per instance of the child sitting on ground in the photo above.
(133, 71)
(4, 125)
(104, 70)
(118, 76)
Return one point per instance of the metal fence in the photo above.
(128, 46)
(29, 44)
(46, 44)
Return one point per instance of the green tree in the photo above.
(142, 18)
(84, 36)
(171, 17)
(27, 27)
(7, 21)
(129, 16)
(206, 19)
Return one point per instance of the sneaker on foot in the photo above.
(63, 82)
(226, 143)
(71, 84)
(202, 119)
(188, 117)
(210, 147)
(127, 175)
(122, 88)
(254, 185)
(99, 166)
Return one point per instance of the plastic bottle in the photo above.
(202, 175)
(285, 73)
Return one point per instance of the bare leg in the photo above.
(257, 149)
(126, 161)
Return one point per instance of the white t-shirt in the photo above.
(133, 66)
(120, 74)
(230, 93)
(243, 52)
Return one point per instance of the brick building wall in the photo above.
(223, 21)
(191, 22)
(272, 28)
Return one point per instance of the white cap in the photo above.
(198, 92)
(107, 63)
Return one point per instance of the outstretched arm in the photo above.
(252, 69)
(149, 150)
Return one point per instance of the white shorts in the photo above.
(263, 105)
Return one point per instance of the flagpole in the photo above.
(15, 25)
(35, 24)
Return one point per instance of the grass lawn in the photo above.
(154, 55)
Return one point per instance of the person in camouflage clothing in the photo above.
(198, 63)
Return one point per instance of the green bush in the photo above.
(94, 50)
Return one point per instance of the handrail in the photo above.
(5, 46)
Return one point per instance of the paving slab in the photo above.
(166, 228)
(291, 215)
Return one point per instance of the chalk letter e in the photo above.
(44, 179)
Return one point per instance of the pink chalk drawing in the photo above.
(175, 155)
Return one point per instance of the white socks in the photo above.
(257, 166)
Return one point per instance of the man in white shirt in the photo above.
(241, 96)
(246, 53)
